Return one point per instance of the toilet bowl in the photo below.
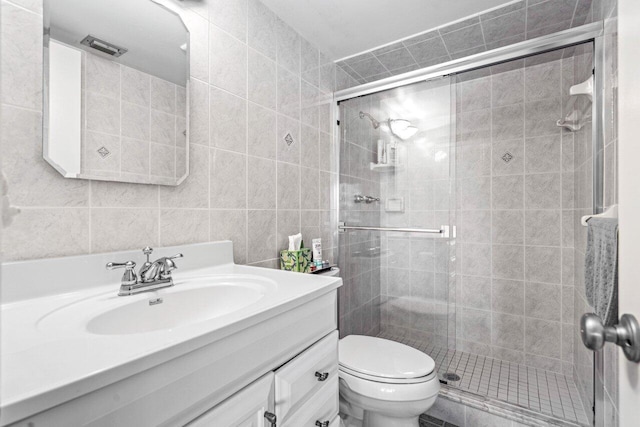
(384, 383)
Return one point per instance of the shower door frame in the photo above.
(593, 33)
(589, 33)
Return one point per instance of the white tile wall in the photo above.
(253, 80)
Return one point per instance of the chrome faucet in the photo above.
(151, 276)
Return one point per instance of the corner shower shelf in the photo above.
(574, 120)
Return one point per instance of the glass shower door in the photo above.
(495, 297)
(395, 183)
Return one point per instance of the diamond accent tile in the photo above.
(288, 139)
(507, 157)
(103, 152)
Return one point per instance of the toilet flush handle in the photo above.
(322, 375)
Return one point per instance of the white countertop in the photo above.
(43, 368)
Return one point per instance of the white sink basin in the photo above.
(188, 302)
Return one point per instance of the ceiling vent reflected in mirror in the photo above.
(103, 46)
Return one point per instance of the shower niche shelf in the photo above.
(383, 167)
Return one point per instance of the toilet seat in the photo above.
(428, 387)
(385, 361)
(384, 380)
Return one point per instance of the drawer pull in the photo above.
(271, 418)
(322, 423)
(322, 376)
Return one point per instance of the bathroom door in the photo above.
(629, 194)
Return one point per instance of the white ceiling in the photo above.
(341, 28)
(151, 33)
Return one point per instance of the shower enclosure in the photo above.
(459, 204)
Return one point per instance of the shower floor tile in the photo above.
(542, 391)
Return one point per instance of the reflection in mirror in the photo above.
(116, 91)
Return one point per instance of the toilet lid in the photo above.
(383, 358)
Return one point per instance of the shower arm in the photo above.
(374, 122)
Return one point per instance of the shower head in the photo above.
(400, 128)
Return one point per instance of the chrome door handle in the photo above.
(625, 334)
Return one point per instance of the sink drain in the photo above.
(451, 376)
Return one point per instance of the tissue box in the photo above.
(299, 261)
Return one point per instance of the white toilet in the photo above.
(384, 383)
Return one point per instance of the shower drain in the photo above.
(451, 376)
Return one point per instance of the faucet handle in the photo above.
(168, 265)
(114, 265)
(129, 277)
(147, 251)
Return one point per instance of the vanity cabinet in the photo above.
(302, 392)
(202, 365)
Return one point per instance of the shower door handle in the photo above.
(625, 334)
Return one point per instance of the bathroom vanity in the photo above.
(226, 345)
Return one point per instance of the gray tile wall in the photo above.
(515, 213)
(253, 80)
(510, 24)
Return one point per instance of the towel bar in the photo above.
(443, 230)
(611, 212)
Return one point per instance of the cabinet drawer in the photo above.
(322, 407)
(299, 379)
(246, 408)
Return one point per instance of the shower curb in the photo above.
(502, 409)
